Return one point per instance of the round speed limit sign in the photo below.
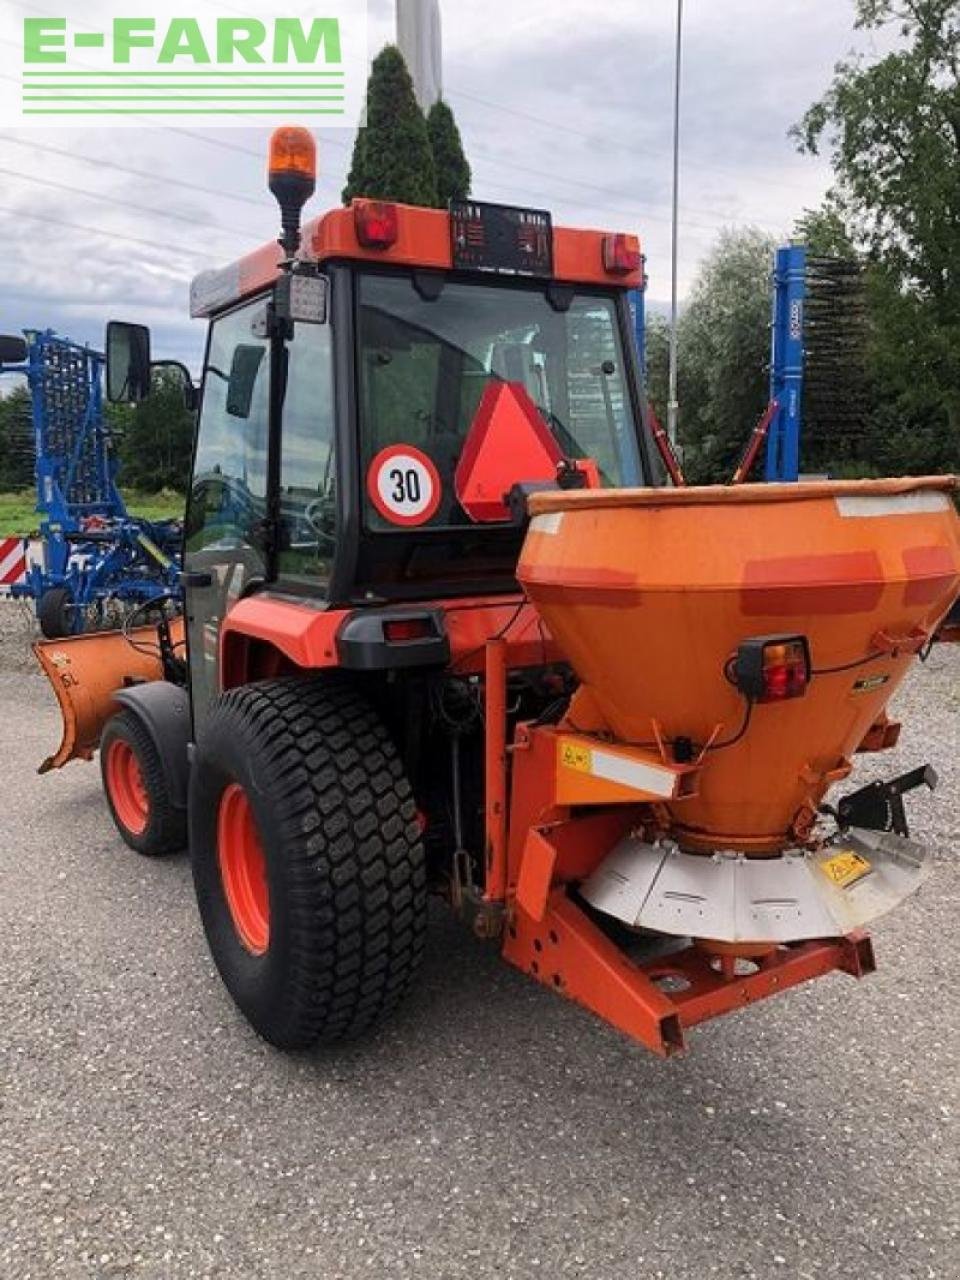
(404, 485)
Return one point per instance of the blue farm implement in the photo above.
(94, 551)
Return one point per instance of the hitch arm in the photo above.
(879, 805)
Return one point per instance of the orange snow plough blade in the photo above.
(85, 672)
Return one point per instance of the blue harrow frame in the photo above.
(94, 551)
(786, 363)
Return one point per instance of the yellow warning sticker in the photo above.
(869, 684)
(845, 868)
(575, 756)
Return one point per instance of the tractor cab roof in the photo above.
(436, 240)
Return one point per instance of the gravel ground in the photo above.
(490, 1129)
(18, 627)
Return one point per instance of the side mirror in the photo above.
(244, 368)
(128, 362)
(13, 350)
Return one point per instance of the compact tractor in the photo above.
(447, 630)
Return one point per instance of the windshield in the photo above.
(481, 387)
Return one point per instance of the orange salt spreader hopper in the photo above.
(752, 636)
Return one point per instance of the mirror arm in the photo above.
(190, 392)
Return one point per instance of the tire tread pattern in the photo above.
(353, 863)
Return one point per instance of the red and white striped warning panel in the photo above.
(13, 562)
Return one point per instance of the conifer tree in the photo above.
(452, 167)
(392, 159)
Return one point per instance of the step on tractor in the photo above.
(447, 630)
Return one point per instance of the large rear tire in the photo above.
(307, 860)
(136, 788)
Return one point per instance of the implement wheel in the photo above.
(307, 860)
(56, 614)
(136, 788)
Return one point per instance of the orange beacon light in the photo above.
(292, 175)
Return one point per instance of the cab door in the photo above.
(227, 505)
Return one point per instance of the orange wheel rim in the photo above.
(126, 787)
(243, 870)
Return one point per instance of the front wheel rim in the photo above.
(243, 870)
(128, 792)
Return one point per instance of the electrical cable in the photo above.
(709, 221)
(603, 140)
(741, 732)
(847, 666)
(669, 742)
(100, 231)
(643, 216)
(163, 178)
(498, 635)
(125, 204)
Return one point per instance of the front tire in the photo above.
(307, 860)
(136, 788)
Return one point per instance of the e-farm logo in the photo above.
(126, 64)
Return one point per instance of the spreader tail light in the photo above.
(772, 668)
(621, 255)
(376, 224)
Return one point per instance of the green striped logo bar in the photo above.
(214, 67)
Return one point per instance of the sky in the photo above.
(562, 104)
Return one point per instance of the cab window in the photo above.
(428, 364)
(308, 497)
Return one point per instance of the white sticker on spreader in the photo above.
(920, 501)
(549, 523)
(404, 485)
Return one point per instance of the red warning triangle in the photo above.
(508, 443)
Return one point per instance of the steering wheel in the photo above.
(317, 515)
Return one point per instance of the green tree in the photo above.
(17, 460)
(156, 438)
(914, 365)
(825, 233)
(892, 129)
(657, 335)
(452, 167)
(724, 354)
(392, 159)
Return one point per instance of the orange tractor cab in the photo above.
(445, 629)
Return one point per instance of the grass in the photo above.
(18, 519)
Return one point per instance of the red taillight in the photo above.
(772, 668)
(376, 223)
(785, 673)
(399, 630)
(621, 255)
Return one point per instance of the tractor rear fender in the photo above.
(87, 672)
(164, 711)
